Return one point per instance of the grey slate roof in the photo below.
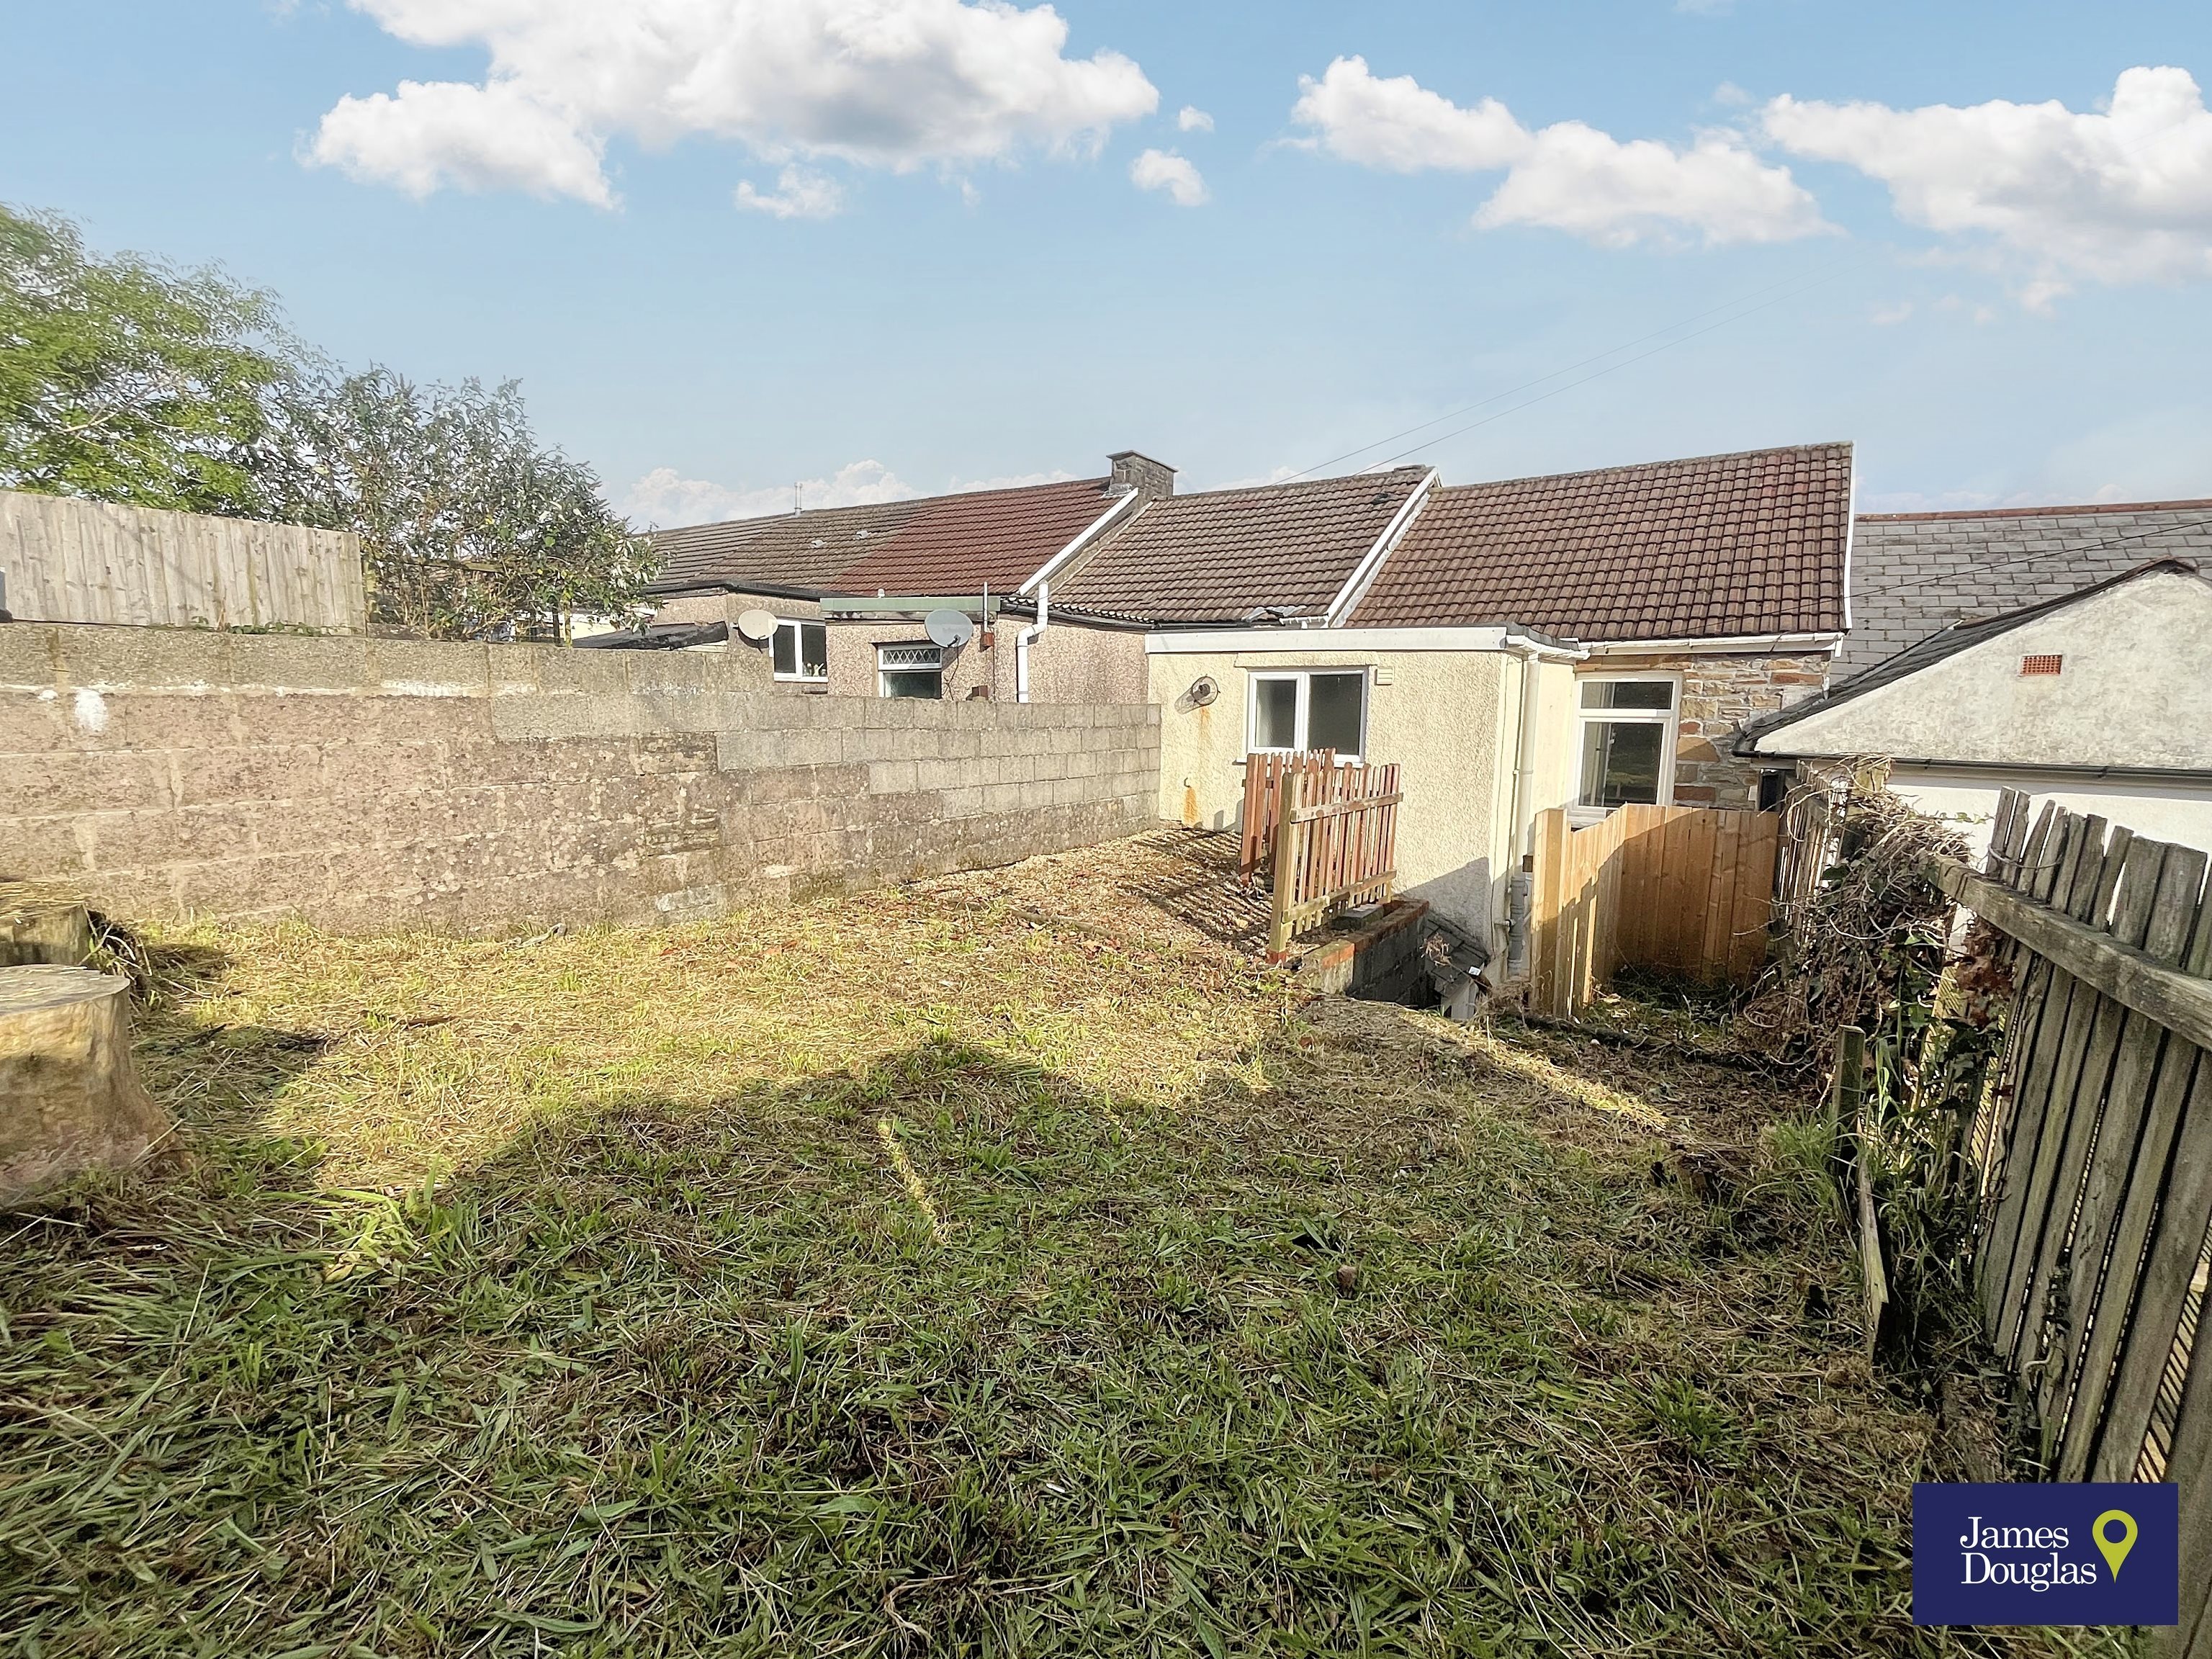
(1916, 573)
(1947, 641)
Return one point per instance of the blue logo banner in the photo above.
(2044, 1553)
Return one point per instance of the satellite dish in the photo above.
(949, 627)
(1204, 691)
(756, 625)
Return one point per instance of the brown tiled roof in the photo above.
(956, 544)
(794, 549)
(1218, 556)
(940, 544)
(1715, 546)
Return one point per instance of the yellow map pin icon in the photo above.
(2114, 1551)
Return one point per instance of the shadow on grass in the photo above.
(945, 1356)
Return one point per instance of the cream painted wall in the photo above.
(2136, 691)
(2176, 810)
(1449, 719)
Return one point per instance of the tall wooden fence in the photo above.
(2096, 1157)
(1335, 833)
(91, 561)
(1263, 791)
(1686, 889)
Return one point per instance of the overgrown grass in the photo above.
(898, 1275)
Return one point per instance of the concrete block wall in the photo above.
(371, 785)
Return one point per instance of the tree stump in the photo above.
(70, 1097)
(40, 926)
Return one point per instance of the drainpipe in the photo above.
(1517, 893)
(1023, 641)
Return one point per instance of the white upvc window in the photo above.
(802, 651)
(909, 670)
(1308, 708)
(1625, 739)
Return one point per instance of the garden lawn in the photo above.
(1000, 1266)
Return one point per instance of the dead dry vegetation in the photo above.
(998, 1267)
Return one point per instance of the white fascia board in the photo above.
(1370, 564)
(1850, 535)
(1050, 567)
(1304, 641)
(1727, 645)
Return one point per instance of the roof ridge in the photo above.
(2053, 510)
(1652, 466)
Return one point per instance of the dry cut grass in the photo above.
(1002, 1268)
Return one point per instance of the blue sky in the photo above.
(946, 272)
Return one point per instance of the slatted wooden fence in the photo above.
(1686, 889)
(93, 561)
(1263, 790)
(2095, 1150)
(1336, 844)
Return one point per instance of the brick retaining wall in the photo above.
(368, 785)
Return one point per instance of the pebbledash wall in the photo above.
(368, 785)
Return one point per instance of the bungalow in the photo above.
(1585, 640)
(2100, 699)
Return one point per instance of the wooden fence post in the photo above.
(1279, 921)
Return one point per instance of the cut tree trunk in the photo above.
(70, 1097)
(40, 926)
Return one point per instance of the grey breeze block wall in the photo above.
(367, 784)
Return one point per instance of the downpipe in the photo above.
(1028, 636)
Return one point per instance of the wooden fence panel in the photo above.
(2095, 1153)
(1335, 833)
(91, 561)
(1686, 889)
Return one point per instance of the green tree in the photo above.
(125, 379)
(469, 526)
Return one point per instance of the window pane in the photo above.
(1333, 712)
(814, 650)
(1620, 762)
(913, 682)
(1274, 713)
(1628, 694)
(786, 647)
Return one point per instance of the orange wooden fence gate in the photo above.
(1330, 841)
(1686, 889)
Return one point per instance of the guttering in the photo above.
(2197, 775)
(1028, 637)
(1280, 641)
(1051, 567)
(1730, 644)
(1370, 566)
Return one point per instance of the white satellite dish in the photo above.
(756, 625)
(949, 627)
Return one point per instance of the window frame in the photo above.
(1668, 719)
(799, 625)
(1300, 718)
(883, 670)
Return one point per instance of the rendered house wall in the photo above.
(1448, 718)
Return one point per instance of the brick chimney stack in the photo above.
(1148, 477)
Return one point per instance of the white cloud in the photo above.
(1568, 176)
(1191, 119)
(2124, 195)
(892, 83)
(1163, 169)
(665, 498)
(1890, 316)
(799, 194)
(433, 134)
